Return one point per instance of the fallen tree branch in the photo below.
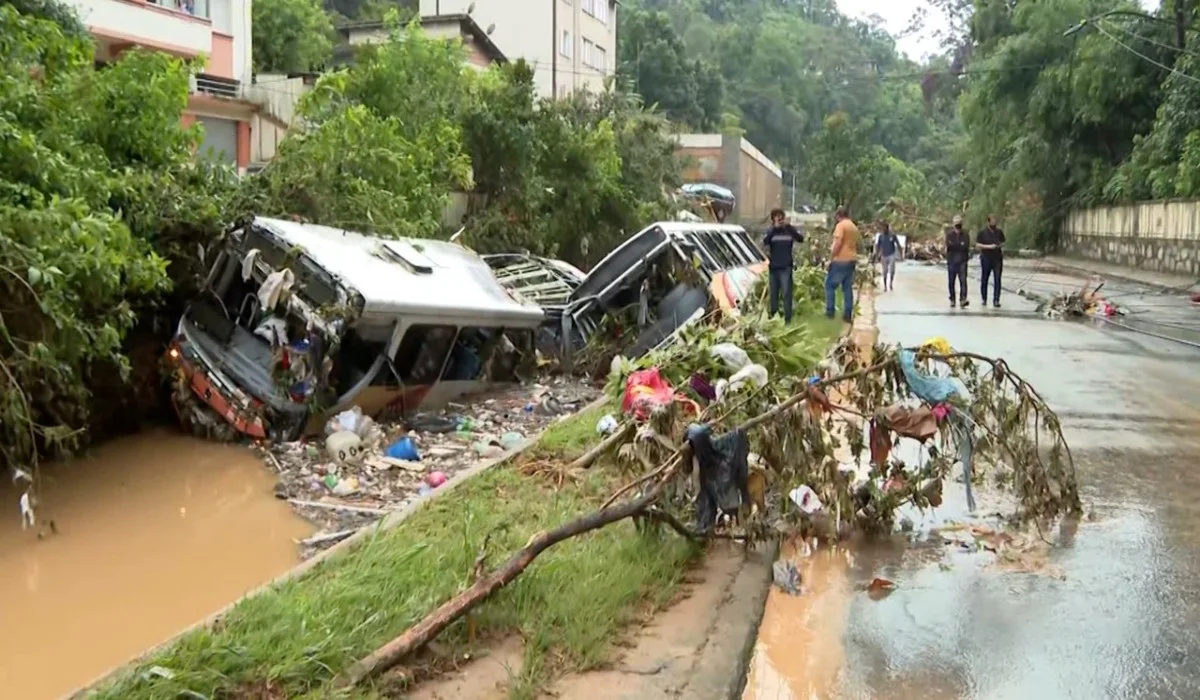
(424, 632)
(589, 458)
(331, 537)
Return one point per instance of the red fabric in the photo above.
(644, 391)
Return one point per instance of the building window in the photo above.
(565, 44)
(588, 50)
(601, 10)
(601, 57)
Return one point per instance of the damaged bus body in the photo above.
(297, 322)
(659, 280)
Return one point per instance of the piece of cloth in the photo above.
(888, 263)
(645, 390)
(840, 275)
(275, 288)
(938, 345)
(724, 465)
(991, 236)
(779, 241)
(933, 390)
(887, 244)
(956, 272)
(990, 268)
(962, 428)
(881, 442)
(248, 263)
(847, 233)
(779, 285)
(958, 246)
(703, 388)
(917, 423)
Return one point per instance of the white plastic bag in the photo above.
(734, 357)
(806, 499)
(606, 425)
(750, 374)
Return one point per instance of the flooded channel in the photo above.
(156, 531)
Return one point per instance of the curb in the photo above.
(737, 681)
(388, 522)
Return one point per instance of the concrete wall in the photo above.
(1159, 236)
(734, 162)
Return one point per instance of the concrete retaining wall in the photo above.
(1160, 236)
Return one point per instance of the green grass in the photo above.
(572, 436)
(569, 606)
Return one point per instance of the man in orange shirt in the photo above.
(842, 260)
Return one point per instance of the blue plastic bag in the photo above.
(405, 449)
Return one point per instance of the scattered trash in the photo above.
(392, 468)
(345, 487)
(343, 446)
(27, 517)
(436, 479)
(606, 425)
(645, 390)
(405, 449)
(806, 499)
(511, 440)
(786, 576)
(880, 588)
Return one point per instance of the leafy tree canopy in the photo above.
(290, 36)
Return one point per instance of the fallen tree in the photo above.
(998, 423)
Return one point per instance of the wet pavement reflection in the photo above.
(156, 532)
(1118, 617)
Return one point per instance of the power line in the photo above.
(1142, 56)
(1154, 42)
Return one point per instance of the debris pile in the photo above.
(1086, 302)
(928, 250)
(360, 471)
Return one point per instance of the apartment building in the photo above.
(572, 44)
(482, 52)
(219, 30)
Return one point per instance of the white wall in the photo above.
(131, 21)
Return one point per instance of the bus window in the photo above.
(719, 251)
(736, 241)
(470, 355)
(423, 352)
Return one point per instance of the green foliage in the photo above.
(96, 188)
(845, 167)
(653, 63)
(382, 147)
(290, 36)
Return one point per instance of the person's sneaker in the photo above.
(996, 303)
(952, 304)
(965, 303)
(983, 302)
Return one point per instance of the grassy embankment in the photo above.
(569, 608)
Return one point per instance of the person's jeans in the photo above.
(780, 284)
(841, 274)
(990, 268)
(957, 271)
(889, 270)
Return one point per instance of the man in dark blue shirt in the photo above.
(990, 242)
(778, 241)
(886, 247)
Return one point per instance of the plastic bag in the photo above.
(806, 499)
(606, 425)
(734, 357)
(404, 449)
(645, 390)
(755, 375)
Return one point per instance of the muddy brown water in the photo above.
(156, 532)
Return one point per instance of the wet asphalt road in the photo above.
(1124, 622)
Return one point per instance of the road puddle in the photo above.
(799, 653)
(156, 532)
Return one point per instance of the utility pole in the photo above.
(793, 188)
(554, 49)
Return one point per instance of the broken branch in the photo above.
(589, 458)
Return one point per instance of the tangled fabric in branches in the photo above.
(724, 470)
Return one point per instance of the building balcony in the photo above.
(180, 27)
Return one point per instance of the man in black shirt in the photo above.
(990, 242)
(779, 240)
(958, 252)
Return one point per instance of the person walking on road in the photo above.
(886, 248)
(990, 242)
(958, 252)
(842, 259)
(779, 240)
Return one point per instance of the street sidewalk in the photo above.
(1162, 280)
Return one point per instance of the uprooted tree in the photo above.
(751, 379)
